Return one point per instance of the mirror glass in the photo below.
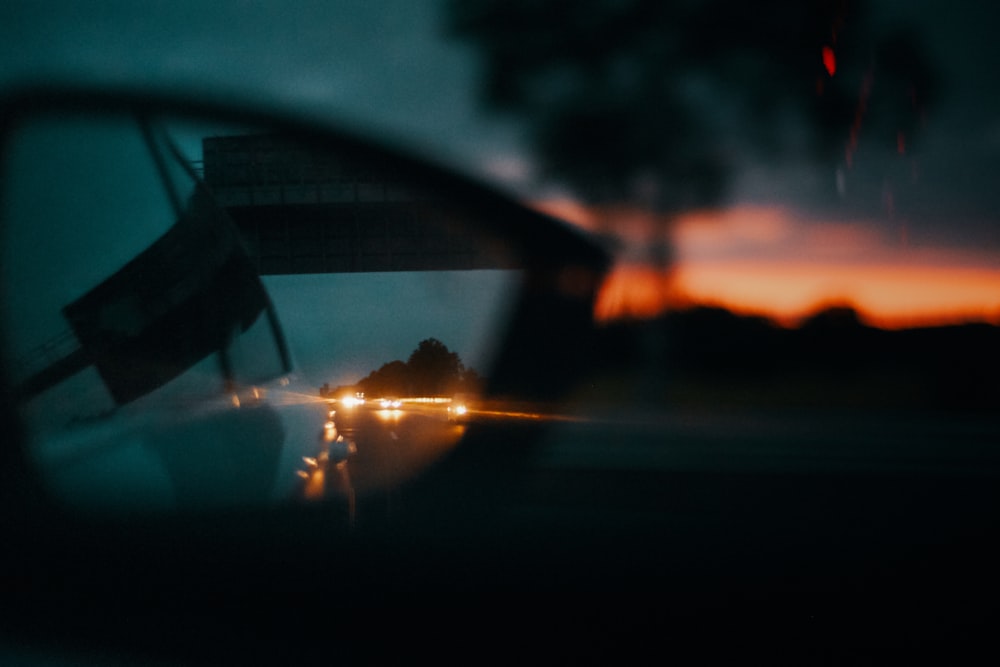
(204, 314)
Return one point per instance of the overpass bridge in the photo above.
(301, 210)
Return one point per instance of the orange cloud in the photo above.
(635, 292)
(766, 261)
(891, 296)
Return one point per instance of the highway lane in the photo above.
(283, 448)
(822, 506)
(262, 447)
(369, 452)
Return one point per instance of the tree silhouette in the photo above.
(431, 370)
(392, 379)
(434, 370)
(657, 102)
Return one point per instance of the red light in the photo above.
(829, 60)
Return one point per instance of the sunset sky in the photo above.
(766, 261)
(904, 227)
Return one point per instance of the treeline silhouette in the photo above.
(431, 370)
(711, 355)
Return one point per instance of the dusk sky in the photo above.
(911, 235)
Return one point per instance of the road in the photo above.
(369, 451)
(840, 516)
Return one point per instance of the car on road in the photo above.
(390, 403)
(458, 408)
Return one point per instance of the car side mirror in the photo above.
(189, 288)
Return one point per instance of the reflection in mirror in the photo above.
(204, 315)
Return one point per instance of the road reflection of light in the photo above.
(315, 486)
(525, 415)
(429, 399)
(346, 488)
(341, 449)
(322, 480)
